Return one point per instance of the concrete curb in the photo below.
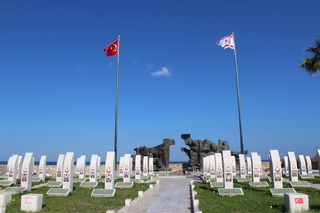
(130, 205)
(194, 202)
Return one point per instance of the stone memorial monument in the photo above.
(202, 148)
(160, 154)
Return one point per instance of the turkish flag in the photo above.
(112, 48)
(298, 200)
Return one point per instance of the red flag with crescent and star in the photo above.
(112, 48)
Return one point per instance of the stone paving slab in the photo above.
(173, 195)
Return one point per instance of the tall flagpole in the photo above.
(238, 94)
(117, 102)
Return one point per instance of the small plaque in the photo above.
(14, 190)
(58, 192)
(281, 192)
(216, 184)
(299, 183)
(230, 192)
(244, 179)
(103, 193)
(259, 184)
(89, 184)
(307, 176)
(123, 185)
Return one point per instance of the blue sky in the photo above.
(57, 87)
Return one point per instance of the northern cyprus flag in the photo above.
(226, 42)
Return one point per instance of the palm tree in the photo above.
(312, 65)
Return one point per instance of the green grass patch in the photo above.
(80, 200)
(255, 199)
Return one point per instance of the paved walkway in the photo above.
(172, 195)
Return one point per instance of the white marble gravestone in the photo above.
(318, 156)
(234, 168)
(138, 167)
(13, 169)
(309, 165)
(121, 166)
(293, 168)
(145, 166)
(228, 177)
(212, 166)
(32, 166)
(260, 165)
(204, 167)
(82, 167)
(19, 167)
(26, 176)
(59, 169)
(68, 172)
(219, 167)
(8, 164)
(110, 170)
(255, 167)
(98, 166)
(302, 164)
(93, 169)
(249, 167)
(242, 166)
(275, 169)
(227, 169)
(77, 165)
(151, 166)
(42, 168)
(127, 168)
(286, 165)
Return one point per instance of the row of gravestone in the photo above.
(220, 169)
(16, 169)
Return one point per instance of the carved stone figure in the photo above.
(199, 149)
(160, 154)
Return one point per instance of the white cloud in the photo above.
(149, 66)
(163, 72)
